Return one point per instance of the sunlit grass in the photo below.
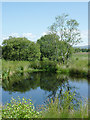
(63, 108)
(77, 64)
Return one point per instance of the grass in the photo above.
(77, 66)
(22, 108)
(13, 67)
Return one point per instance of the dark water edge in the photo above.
(41, 86)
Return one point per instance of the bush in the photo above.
(19, 109)
(45, 65)
(50, 66)
(20, 69)
(35, 64)
(77, 58)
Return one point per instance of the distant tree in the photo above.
(84, 50)
(20, 49)
(77, 50)
(68, 31)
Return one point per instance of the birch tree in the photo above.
(68, 31)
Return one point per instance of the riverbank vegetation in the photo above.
(66, 107)
(77, 66)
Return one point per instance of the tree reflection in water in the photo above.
(49, 82)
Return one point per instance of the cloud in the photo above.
(12, 34)
(15, 35)
(44, 33)
(28, 35)
(84, 34)
(84, 37)
(34, 38)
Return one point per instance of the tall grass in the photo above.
(11, 67)
(22, 108)
(77, 65)
(66, 107)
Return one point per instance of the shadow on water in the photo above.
(52, 83)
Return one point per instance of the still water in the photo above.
(42, 86)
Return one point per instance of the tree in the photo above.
(63, 55)
(48, 46)
(20, 49)
(51, 47)
(68, 31)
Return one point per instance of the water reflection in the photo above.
(51, 83)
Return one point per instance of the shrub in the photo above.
(77, 59)
(20, 108)
(45, 65)
(50, 66)
(35, 64)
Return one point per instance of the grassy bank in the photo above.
(22, 108)
(77, 66)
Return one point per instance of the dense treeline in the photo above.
(20, 49)
(47, 47)
(81, 50)
(53, 49)
(55, 46)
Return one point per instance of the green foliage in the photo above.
(20, 49)
(20, 69)
(66, 108)
(68, 101)
(45, 65)
(49, 66)
(48, 46)
(66, 28)
(68, 32)
(85, 50)
(77, 65)
(63, 108)
(20, 108)
(76, 50)
(53, 49)
(35, 65)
